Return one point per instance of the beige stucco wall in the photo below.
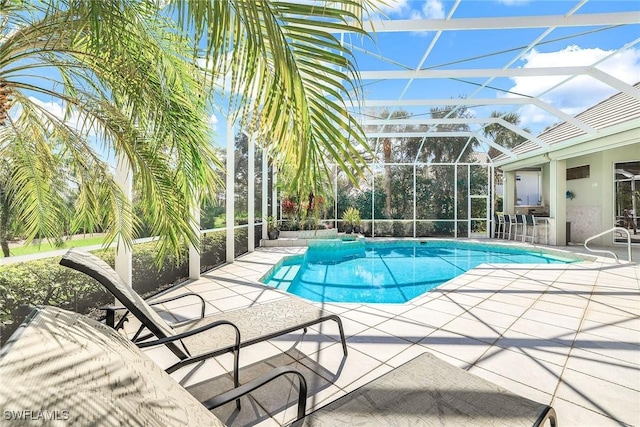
(592, 209)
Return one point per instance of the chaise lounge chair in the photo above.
(208, 336)
(63, 366)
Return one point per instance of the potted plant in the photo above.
(350, 219)
(356, 222)
(272, 227)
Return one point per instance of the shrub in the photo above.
(45, 282)
(213, 250)
(290, 225)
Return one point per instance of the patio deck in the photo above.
(567, 335)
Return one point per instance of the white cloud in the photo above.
(57, 110)
(433, 9)
(397, 7)
(430, 9)
(54, 108)
(213, 122)
(513, 2)
(572, 97)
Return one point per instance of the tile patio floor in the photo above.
(567, 335)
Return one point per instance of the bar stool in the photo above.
(506, 230)
(498, 222)
(530, 222)
(522, 226)
(513, 225)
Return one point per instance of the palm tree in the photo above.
(501, 135)
(504, 137)
(125, 75)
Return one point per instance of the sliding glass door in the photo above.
(627, 199)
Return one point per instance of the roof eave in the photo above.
(578, 146)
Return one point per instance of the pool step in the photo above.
(335, 249)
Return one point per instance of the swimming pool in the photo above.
(388, 271)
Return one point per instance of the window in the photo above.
(578, 172)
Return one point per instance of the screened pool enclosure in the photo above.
(447, 98)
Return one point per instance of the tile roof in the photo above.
(616, 109)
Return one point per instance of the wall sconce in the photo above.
(570, 195)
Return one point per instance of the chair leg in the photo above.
(342, 338)
(236, 374)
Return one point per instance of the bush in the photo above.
(424, 229)
(213, 250)
(45, 282)
(290, 225)
(398, 229)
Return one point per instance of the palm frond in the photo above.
(287, 72)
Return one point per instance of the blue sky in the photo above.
(496, 48)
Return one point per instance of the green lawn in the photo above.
(44, 247)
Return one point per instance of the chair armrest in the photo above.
(548, 415)
(190, 294)
(259, 382)
(193, 359)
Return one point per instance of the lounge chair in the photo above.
(63, 366)
(208, 336)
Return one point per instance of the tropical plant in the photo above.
(351, 216)
(501, 135)
(122, 76)
(272, 223)
(290, 79)
(112, 72)
(289, 208)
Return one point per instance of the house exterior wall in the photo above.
(592, 209)
(585, 212)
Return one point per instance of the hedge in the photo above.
(45, 282)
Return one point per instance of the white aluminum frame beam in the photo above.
(462, 120)
(194, 252)
(265, 192)
(230, 193)
(470, 134)
(124, 253)
(502, 23)
(251, 193)
(524, 51)
(482, 101)
(495, 72)
(423, 134)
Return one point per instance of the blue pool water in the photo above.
(390, 271)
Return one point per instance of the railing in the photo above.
(610, 252)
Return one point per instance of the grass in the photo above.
(45, 246)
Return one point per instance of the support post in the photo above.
(124, 254)
(455, 201)
(230, 193)
(265, 192)
(194, 253)
(509, 192)
(251, 191)
(274, 194)
(557, 202)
